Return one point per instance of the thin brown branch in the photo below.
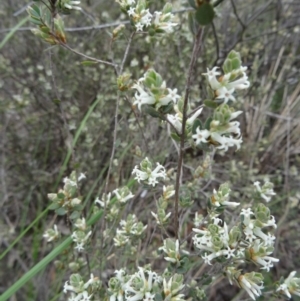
(196, 49)
(86, 56)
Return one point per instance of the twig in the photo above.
(236, 14)
(86, 56)
(196, 48)
(217, 41)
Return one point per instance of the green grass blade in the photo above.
(67, 158)
(78, 132)
(44, 262)
(12, 32)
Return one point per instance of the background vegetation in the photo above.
(48, 97)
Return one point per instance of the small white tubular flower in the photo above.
(146, 172)
(266, 192)
(211, 77)
(172, 288)
(291, 285)
(173, 96)
(80, 224)
(139, 287)
(51, 234)
(238, 84)
(69, 4)
(164, 22)
(80, 238)
(226, 142)
(131, 11)
(201, 136)
(172, 250)
(81, 177)
(143, 97)
(161, 218)
(191, 119)
(104, 201)
(258, 253)
(175, 120)
(123, 194)
(251, 283)
(224, 93)
(139, 26)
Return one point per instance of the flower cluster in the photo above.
(291, 285)
(146, 174)
(163, 21)
(248, 241)
(52, 234)
(81, 235)
(66, 200)
(142, 18)
(80, 290)
(173, 251)
(69, 4)
(176, 120)
(123, 194)
(222, 132)
(221, 197)
(145, 285)
(131, 228)
(152, 90)
(252, 282)
(161, 216)
(234, 78)
(266, 191)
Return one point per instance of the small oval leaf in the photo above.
(88, 63)
(210, 104)
(205, 14)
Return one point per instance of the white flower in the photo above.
(147, 174)
(81, 177)
(290, 286)
(105, 200)
(51, 234)
(226, 142)
(164, 22)
(175, 120)
(173, 95)
(224, 93)
(131, 11)
(139, 26)
(201, 136)
(266, 192)
(143, 97)
(123, 194)
(252, 288)
(72, 5)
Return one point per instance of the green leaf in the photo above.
(34, 11)
(236, 64)
(61, 195)
(207, 123)
(175, 137)
(192, 23)
(88, 63)
(196, 124)
(227, 66)
(205, 14)
(35, 21)
(210, 103)
(61, 211)
(167, 109)
(192, 4)
(56, 101)
(75, 215)
(152, 112)
(54, 206)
